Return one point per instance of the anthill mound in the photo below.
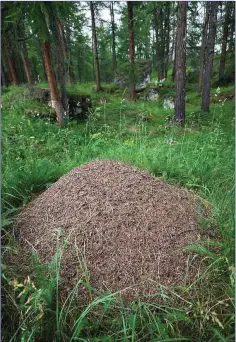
(124, 224)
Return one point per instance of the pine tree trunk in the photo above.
(132, 94)
(224, 42)
(56, 103)
(12, 70)
(180, 76)
(20, 34)
(3, 77)
(61, 68)
(161, 46)
(95, 49)
(167, 33)
(114, 63)
(203, 47)
(210, 44)
(27, 67)
(232, 27)
(68, 41)
(62, 38)
(173, 48)
(156, 17)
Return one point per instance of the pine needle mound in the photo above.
(123, 226)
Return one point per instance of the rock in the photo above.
(152, 95)
(79, 107)
(169, 103)
(143, 68)
(121, 80)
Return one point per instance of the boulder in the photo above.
(79, 106)
(143, 70)
(169, 103)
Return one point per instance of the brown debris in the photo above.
(123, 223)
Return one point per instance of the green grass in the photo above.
(35, 153)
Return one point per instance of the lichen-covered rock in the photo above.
(169, 103)
(142, 75)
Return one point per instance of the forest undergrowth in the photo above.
(200, 157)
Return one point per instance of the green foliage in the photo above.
(36, 153)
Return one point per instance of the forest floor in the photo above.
(200, 157)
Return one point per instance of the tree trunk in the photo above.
(173, 48)
(68, 41)
(114, 63)
(167, 34)
(224, 42)
(131, 52)
(180, 76)
(3, 77)
(95, 49)
(20, 34)
(203, 48)
(27, 67)
(210, 44)
(12, 70)
(232, 27)
(155, 15)
(62, 38)
(161, 45)
(56, 103)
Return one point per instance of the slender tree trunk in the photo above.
(180, 77)
(3, 77)
(162, 45)
(114, 63)
(56, 103)
(20, 34)
(232, 27)
(224, 42)
(68, 45)
(61, 71)
(95, 49)
(27, 67)
(57, 32)
(62, 38)
(210, 43)
(132, 94)
(167, 31)
(12, 70)
(173, 49)
(174, 64)
(153, 49)
(156, 18)
(203, 48)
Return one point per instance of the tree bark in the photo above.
(56, 103)
(180, 76)
(62, 38)
(156, 17)
(161, 56)
(20, 35)
(27, 67)
(3, 77)
(131, 52)
(114, 63)
(232, 27)
(95, 49)
(224, 42)
(210, 44)
(12, 70)
(167, 34)
(203, 48)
